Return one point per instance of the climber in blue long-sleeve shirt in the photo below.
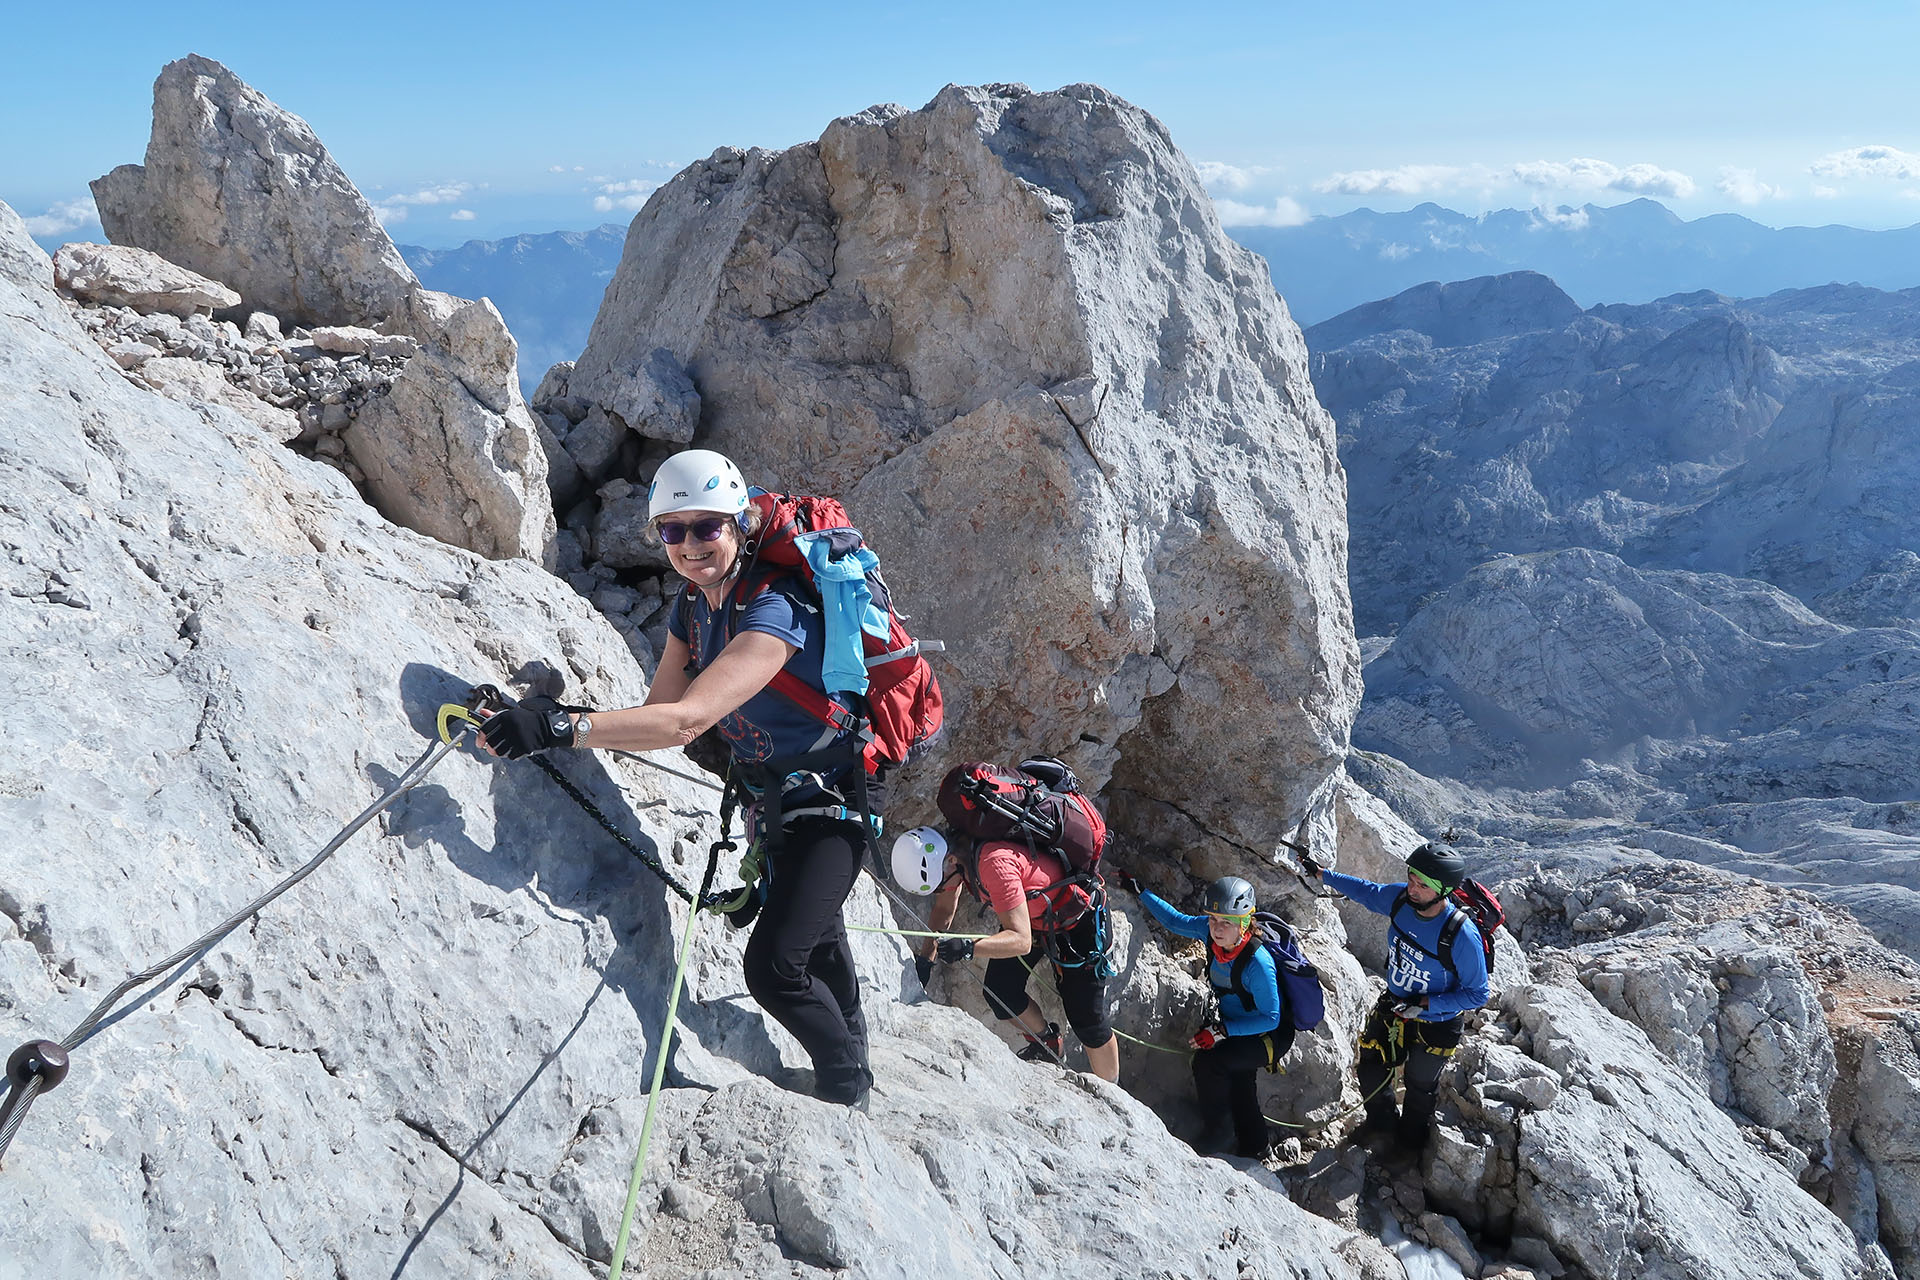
(1253, 1032)
(1436, 973)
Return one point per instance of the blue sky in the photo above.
(485, 119)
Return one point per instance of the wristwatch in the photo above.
(581, 728)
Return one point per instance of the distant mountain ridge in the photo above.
(548, 286)
(1633, 252)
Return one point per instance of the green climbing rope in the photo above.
(659, 1073)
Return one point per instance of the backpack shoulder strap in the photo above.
(1237, 973)
(1456, 920)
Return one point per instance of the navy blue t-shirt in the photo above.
(767, 726)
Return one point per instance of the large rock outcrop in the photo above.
(239, 189)
(1008, 331)
(431, 1056)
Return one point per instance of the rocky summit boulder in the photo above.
(238, 189)
(235, 186)
(116, 275)
(1008, 331)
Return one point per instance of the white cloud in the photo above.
(1395, 252)
(462, 215)
(1216, 176)
(1744, 186)
(556, 168)
(1284, 212)
(629, 195)
(579, 168)
(66, 216)
(445, 193)
(1407, 180)
(1587, 174)
(1564, 219)
(1825, 193)
(392, 209)
(1868, 162)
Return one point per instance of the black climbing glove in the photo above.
(537, 724)
(1127, 882)
(923, 965)
(1309, 863)
(954, 950)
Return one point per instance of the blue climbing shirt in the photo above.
(1258, 976)
(1414, 966)
(846, 604)
(767, 726)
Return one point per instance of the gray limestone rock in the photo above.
(122, 276)
(453, 457)
(1625, 1167)
(238, 189)
(431, 1056)
(1007, 330)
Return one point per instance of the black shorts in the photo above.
(1083, 992)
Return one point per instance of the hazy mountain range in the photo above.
(1634, 252)
(549, 286)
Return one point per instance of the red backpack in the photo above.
(1039, 804)
(902, 706)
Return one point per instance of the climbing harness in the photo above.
(40, 1065)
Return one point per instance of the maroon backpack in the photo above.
(1039, 804)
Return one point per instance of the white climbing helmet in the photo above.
(920, 860)
(697, 480)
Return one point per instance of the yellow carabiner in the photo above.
(455, 711)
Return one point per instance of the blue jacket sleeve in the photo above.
(1262, 981)
(1173, 921)
(1471, 988)
(1377, 898)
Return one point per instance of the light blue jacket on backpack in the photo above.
(846, 605)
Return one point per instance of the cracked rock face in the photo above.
(433, 1053)
(1579, 1133)
(1007, 330)
(1781, 1009)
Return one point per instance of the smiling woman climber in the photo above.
(745, 655)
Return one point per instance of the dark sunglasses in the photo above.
(674, 532)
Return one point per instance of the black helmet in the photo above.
(1437, 862)
(1229, 896)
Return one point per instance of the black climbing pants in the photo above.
(798, 964)
(1226, 1079)
(1422, 1049)
(1083, 991)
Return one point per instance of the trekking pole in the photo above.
(39, 1066)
